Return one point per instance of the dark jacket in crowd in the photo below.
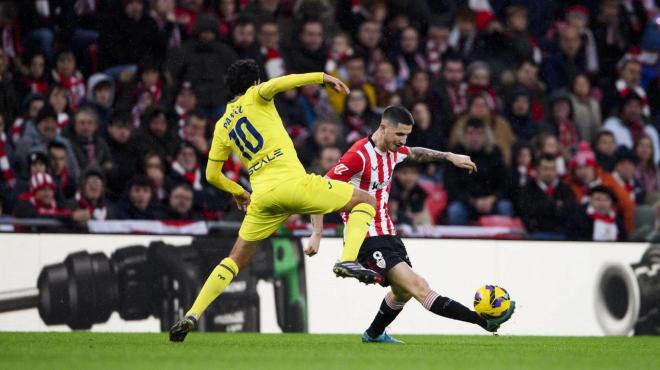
(490, 179)
(546, 211)
(582, 227)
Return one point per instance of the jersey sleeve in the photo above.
(268, 90)
(350, 164)
(402, 154)
(220, 146)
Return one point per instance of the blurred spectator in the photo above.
(578, 16)
(630, 124)
(269, 58)
(585, 176)
(90, 149)
(66, 74)
(138, 202)
(57, 160)
(38, 136)
(185, 167)
(426, 132)
(324, 133)
(37, 163)
(147, 80)
(226, 11)
(58, 98)
(314, 102)
(586, 109)
(154, 135)
(624, 174)
(356, 78)
(526, 74)
(545, 203)
(100, 97)
(154, 168)
(478, 108)
(464, 33)
(479, 84)
(180, 204)
(30, 108)
(7, 175)
(36, 78)
(419, 89)
(243, 38)
(170, 29)
(195, 130)
(605, 149)
(409, 206)
(203, 60)
(547, 143)
(518, 113)
(386, 83)
(123, 151)
(437, 44)
(187, 12)
(92, 197)
(127, 37)
(630, 77)
(612, 33)
(408, 58)
(38, 20)
(308, 54)
(328, 157)
(522, 170)
(560, 120)
(185, 100)
(41, 203)
(647, 170)
(8, 98)
(560, 67)
(358, 117)
(524, 46)
(598, 219)
(481, 193)
(368, 44)
(453, 85)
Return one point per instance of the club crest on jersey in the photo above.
(340, 168)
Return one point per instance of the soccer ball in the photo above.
(491, 301)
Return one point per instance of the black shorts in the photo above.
(381, 253)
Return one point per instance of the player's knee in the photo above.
(401, 295)
(419, 288)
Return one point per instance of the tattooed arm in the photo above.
(420, 154)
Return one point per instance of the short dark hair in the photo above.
(241, 75)
(398, 115)
(183, 185)
(605, 190)
(544, 157)
(474, 122)
(139, 181)
(57, 145)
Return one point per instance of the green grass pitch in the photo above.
(83, 350)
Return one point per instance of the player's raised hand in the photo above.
(462, 161)
(313, 245)
(242, 201)
(336, 83)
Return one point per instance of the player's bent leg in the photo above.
(404, 277)
(239, 257)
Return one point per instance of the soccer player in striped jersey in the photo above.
(369, 165)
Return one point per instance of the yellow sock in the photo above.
(357, 227)
(215, 284)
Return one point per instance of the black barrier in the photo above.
(628, 296)
(162, 281)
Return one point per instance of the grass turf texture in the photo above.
(300, 351)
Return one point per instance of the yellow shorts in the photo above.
(309, 194)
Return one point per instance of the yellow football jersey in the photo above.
(252, 128)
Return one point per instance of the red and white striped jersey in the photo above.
(369, 169)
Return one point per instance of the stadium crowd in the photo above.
(108, 106)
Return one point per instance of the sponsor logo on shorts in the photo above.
(380, 261)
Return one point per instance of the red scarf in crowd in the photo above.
(568, 136)
(624, 90)
(74, 85)
(605, 228)
(98, 212)
(36, 86)
(48, 209)
(548, 189)
(194, 177)
(5, 168)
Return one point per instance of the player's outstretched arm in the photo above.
(269, 89)
(429, 155)
(317, 232)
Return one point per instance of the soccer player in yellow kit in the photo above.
(252, 128)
